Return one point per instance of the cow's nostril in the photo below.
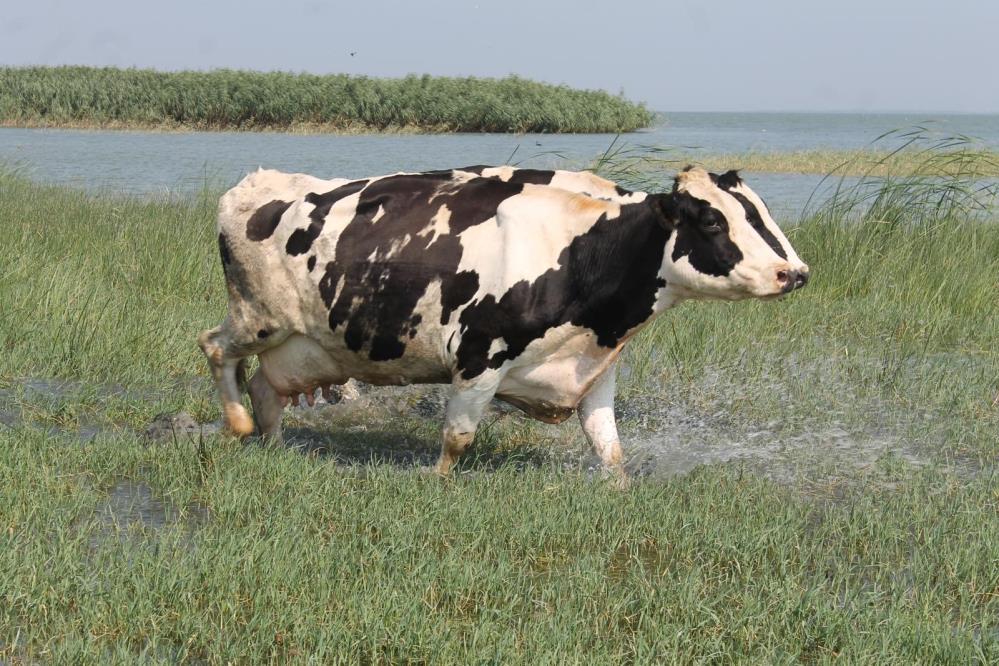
(782, 277)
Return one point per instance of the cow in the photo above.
(517, 284)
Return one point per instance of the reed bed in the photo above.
(911, 152)
(846, 162)
(245, 100)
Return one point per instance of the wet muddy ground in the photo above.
(398, 425)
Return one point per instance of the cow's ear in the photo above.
(672, 208)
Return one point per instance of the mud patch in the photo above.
(177, 427)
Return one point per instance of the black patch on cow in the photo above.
(606, 280)
(311, 263)
(386, 266)
(621, 192)
(301, 240)
(442, 173)
(456, 290)
(224, 253)
(477, 169)
(265, 220)
(262, 334)
(729, 180)
(753, 215)
(702, 236)
(532, 176)
(235, 276)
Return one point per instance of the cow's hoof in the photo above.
(435, 470)
(617, 478)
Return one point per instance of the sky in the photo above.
(779, 55)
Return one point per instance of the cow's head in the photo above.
(723, 241)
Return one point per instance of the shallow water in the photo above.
(150, 162)
(661, 438)
(131, 509)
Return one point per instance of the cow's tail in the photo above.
(226, 372)
(237, 420)
(241, 382)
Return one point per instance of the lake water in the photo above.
(152, 162)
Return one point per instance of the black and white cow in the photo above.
(518, 284)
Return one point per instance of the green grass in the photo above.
(231, 99)
(250, 553)
(268, 555)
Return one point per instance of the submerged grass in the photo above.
(250, 552)
(231, 99)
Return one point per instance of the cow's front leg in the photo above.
(596, 414)
(461, 418)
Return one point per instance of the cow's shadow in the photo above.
(353, 446)
(404, 449)
(401, 427)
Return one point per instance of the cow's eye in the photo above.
(711, 223)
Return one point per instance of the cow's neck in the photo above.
(617, 268)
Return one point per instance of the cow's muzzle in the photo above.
(791, 279)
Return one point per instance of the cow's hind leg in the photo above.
(461, 418)
(596, 415)
(224, 355)
(268, 406)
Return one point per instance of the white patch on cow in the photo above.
(381, 254)
(527, 236)
(582, 182)
(771, 224)
(559, 368)
(264, 185)
(594, 186)
(503, 173)
(496, 346)
(439, 225)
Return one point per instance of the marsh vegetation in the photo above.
(243, 100)
(856, 515)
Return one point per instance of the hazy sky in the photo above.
(838, 55)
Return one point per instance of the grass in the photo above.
(272, 556)
(244, 100)
(248, 552)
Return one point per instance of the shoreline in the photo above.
(297, 129)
